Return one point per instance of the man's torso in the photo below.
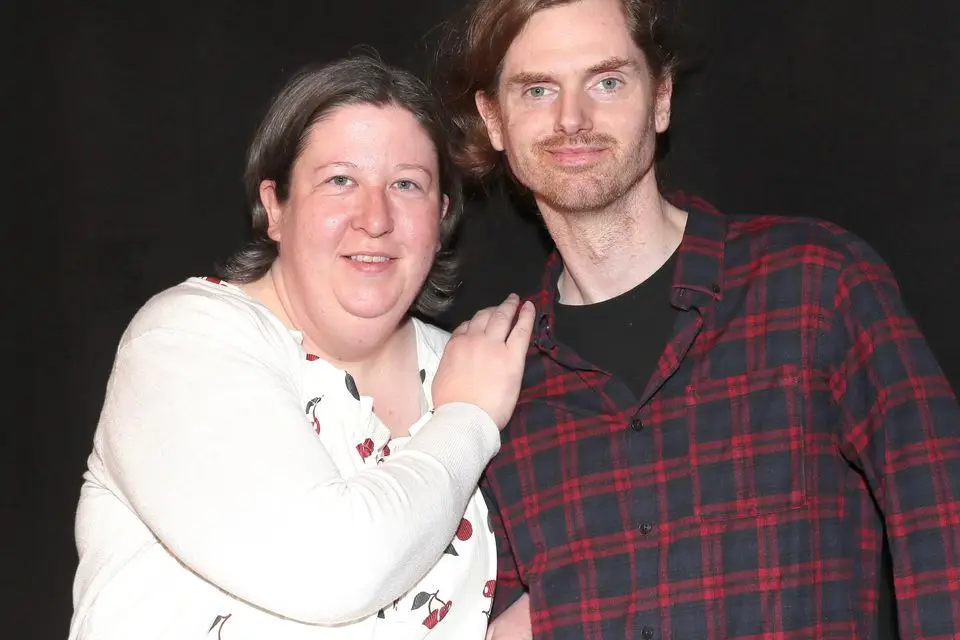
(716, 504)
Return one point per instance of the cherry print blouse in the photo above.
(240, 488)
(453, 600)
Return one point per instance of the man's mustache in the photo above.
(578, 140)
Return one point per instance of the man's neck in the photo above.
(608, 252)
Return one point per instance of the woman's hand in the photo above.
(483, 362)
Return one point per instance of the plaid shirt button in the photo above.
(636, 424)
(646, 528)
(647, 633)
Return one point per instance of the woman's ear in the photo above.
(271, 204)
(444, 207)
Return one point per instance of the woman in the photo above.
(282, 452)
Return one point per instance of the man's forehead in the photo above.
(559, 62)
(571, 37)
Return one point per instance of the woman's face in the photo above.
(360, 229)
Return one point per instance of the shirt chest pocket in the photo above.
(747, 444)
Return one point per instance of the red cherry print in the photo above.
(489, 588)
(437, 614)
(386, 450)
(312, 410)
(365, 448)
(465, 530)
(432, 619)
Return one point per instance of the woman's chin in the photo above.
(376, 308)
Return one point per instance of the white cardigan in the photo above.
(239, 488)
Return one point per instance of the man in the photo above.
(723, 417)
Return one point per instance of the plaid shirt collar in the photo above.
(697, 281)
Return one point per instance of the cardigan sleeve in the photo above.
(203, 436)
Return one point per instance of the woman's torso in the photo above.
(128, 585)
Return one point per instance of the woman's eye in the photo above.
(407, 185)
(340, 181)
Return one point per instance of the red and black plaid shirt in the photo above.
(795, 410)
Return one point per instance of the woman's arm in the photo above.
(205, 438)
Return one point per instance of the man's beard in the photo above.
(577, 188)
(587, 190)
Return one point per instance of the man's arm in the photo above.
(901, 427)
(514, 623)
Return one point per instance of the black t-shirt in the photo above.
(625, 335)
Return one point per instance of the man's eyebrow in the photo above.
(528, 77)
(614, 63)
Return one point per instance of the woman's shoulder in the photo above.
(431, 336)
(203, 306)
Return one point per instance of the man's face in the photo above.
(577, 112)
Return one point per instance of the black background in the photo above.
(128, 125)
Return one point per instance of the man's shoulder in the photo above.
(807, 228)
(742, 227)
(751, 235)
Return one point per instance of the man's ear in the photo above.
(662, 102)
(271, 204)
(489, 110)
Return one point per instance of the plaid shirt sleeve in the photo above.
(509, 586)
(901, 429)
